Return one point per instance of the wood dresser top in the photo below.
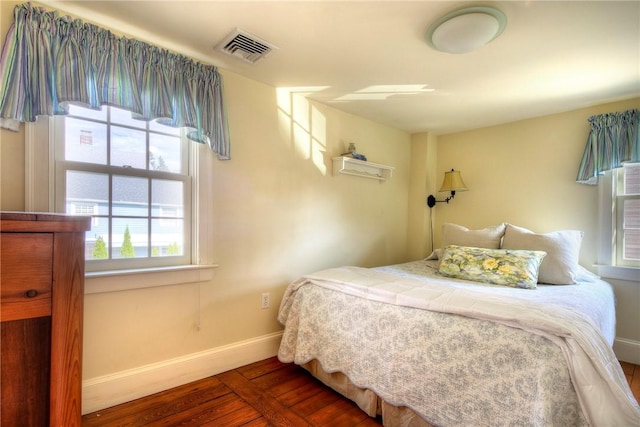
(43, 222)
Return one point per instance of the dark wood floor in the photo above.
(265, 393)
(632, 372)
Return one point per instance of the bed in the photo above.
(422, 347)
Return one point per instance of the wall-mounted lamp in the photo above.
(452, 182)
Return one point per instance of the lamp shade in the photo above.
(453, 182)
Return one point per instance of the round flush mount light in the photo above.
(465, 30)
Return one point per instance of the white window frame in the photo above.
(620, 201)
(40, 197)
(62, 166)
(607, 265)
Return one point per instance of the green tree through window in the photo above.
(173, 249)
(127, 251)
(100, 249)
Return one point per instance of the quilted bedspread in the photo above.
(460, 353)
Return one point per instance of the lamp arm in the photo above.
(431, 200)
(453, 194)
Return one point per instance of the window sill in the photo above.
(631, 274)
(124, 280)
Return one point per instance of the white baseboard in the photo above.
(124, 386)
(627, 350)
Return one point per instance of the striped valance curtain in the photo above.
(49, 61)
(613, 140)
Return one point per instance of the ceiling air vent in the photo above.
(245, 46)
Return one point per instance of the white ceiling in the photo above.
(553, 56)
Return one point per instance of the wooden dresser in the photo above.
(41, 309)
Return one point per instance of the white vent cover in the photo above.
(245, 46)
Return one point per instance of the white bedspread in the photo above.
(582, 329)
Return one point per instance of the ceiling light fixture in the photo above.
(467, 29)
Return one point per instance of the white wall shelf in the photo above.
(349, 166)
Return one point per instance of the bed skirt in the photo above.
(367, 400)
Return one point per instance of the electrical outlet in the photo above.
(265, 300)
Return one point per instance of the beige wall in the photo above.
(423, 176)
(524, 173)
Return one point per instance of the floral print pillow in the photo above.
(506, 267)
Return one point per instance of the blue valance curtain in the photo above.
(613, 140)
(49, 61)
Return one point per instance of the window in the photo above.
(619, 226)
(134, 177)
(145, 197)
(627, 207)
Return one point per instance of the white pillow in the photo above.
(489, 238)
(560, 266)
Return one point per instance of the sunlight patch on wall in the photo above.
(284, 95)
(319, 139)
(382, 92)
(303, 125)
(301, 114)
(283, 98)
(302, 141)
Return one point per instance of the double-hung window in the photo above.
(627, 207)
(619, 247)
(134, 178)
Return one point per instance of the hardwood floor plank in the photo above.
(227, 407)
(627, 368)
(235, 419)
(262, 367)
(271, 380)
(270, 408)
(632, 373)
(260, 422)
(635, 383)
(152, 408)
(343, 413)
(324, 397)
(278, 385)
(370, 422)
(300, 394)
